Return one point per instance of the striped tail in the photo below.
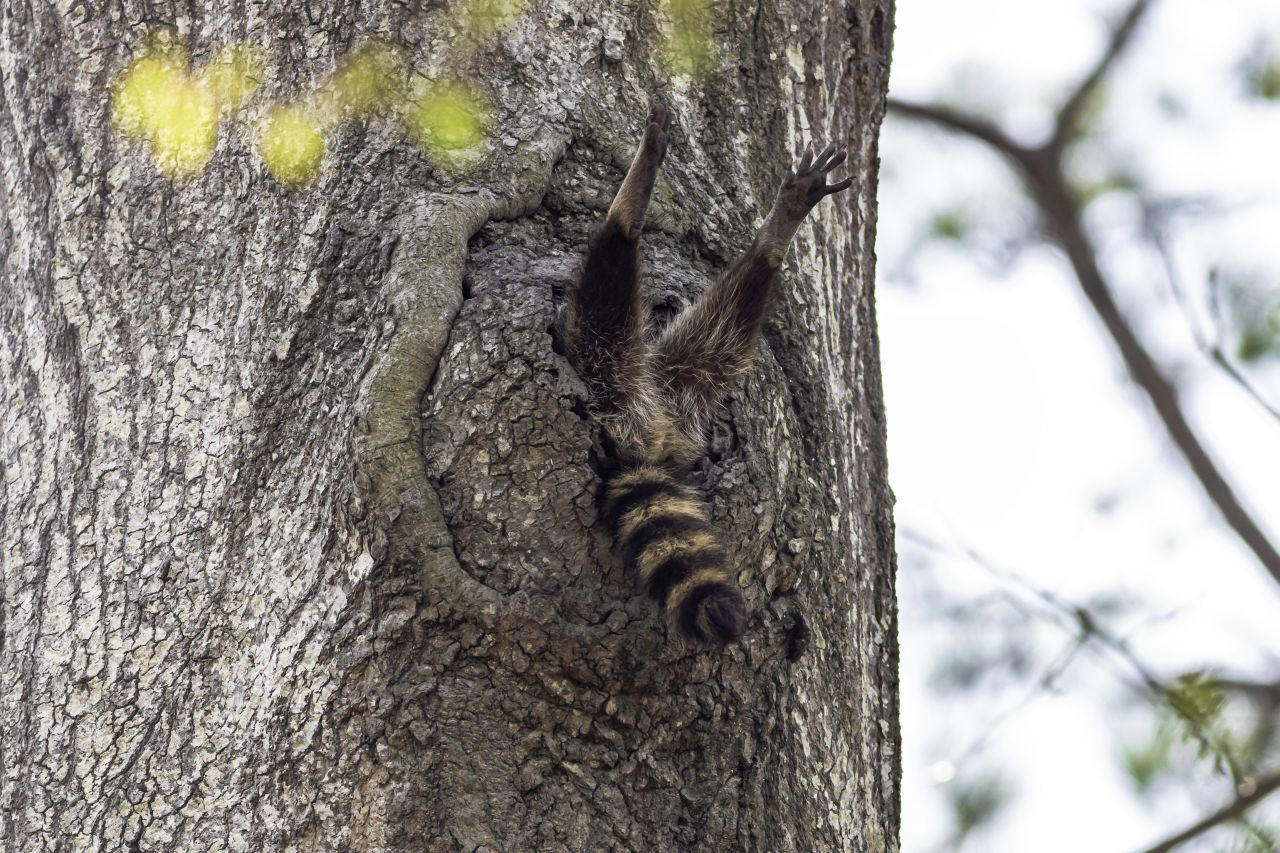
(662, 529)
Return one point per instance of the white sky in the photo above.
(1012, 426)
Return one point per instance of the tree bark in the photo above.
(297, 499)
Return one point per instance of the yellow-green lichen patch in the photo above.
(184, 140)
(366, 83)
(451, 122)
(144, 92)
(482, 17)
(234, 74)
(689, 47)
(292, 145)
(156, 100)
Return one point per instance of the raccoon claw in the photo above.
(840, 187)
(831, 157)
(804, 167)
(806, 183)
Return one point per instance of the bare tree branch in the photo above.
(1041, 170)
(959, 122)
(1060, 207)
(1069, 114)
(1256, 790)
(1067, 123)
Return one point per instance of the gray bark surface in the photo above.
(297, 498)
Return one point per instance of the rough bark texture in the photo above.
(297, 499)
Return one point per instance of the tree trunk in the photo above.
(298, 527)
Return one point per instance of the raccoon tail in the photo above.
(661, 527)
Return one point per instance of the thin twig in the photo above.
(1068, 118)
(1212, 350)
(1046, 681)
(1257, 791)
(1087, 627)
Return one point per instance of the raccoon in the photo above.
(655, 398)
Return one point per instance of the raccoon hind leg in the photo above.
(605, 316)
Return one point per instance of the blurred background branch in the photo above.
(1067, 123)
(1257, 790)
(1042, 172)
(1120, 173)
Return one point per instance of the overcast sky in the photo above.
(1013, 429)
